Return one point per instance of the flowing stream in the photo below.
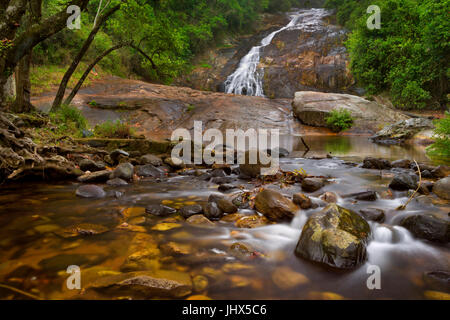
(36, 244)
(247, 79)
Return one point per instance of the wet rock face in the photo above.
(442, 188)
(336, 237)
(431, 227)
(274, 206)
(404, 181)
(311, 57)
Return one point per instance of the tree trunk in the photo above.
(22, 104)
(23, 84)
(20, 45)
(97, 60)
(76, 61)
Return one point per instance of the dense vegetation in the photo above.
(408, 56)
(171, 32)
(441, 146)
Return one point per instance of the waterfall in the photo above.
(247, 79)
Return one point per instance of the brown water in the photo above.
(37, 242)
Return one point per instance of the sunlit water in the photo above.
(34, 253)
(247, 79)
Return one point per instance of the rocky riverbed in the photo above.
(140, 227)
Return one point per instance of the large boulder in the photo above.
(313, 108)
(336, 237)
(433, 227)
(442, 188)
(402, 130)
(275, 206)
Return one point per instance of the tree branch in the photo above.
(76, 60)
(98, 59)
(39, 32)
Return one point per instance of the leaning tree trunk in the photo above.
(76, 61)
(98, 59)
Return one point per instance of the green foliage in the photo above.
(190, 108)
(339, 120)
(171, 32)
(69, 120)
(408, 56)
(117, 129)
(441, 146)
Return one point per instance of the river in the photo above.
(37, 246)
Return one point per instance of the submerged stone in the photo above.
(90, 191)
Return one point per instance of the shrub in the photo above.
(117, 129)
(69, 119)
(441, 146)
(339, 120)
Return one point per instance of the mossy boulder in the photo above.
(336, 237)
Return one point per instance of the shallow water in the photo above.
(36, 249)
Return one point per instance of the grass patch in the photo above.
(45, 77)
(114, 129)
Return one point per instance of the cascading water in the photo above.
(247, 79)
